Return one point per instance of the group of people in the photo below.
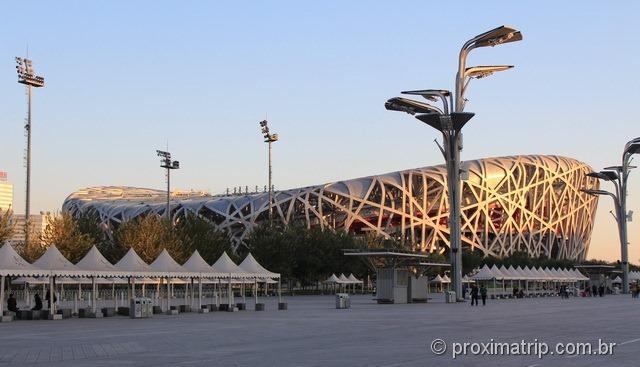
(12, 303)
(475, 292)
(635, 290)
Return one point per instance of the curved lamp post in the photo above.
(449, 120)
(618, 175)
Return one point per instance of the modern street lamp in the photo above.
(449, 121)
(168, 164)
(269, 138)
(28, 77)
(618, 175)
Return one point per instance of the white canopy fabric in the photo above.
(343, 279)
(353, 279)
(333, 279)
(58, 265)
(164, 264)
(93, 261)
(483, 274)
(12, 264)
(196, 264)
(437, 279)
(225, 265)
(132, 263)
(466, 279)
(617, 280)
(446, 279)
(251, 266)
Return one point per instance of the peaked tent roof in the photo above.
(446, 279)
(252, 266)
(343, 278)
(353, 279)
(52, 260)
(225, 265)
(437, 279)
(332, 279)
(131, 262)
(11, 263)
(94, 261)
(197, 264)
(164, 263)
(483, 274)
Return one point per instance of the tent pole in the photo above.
(279, 291)
(199, 293)
(244, 300)
(51, 297)
(167, 295)
(230, 293)
(1, 296)
(113, 294)
(93, 294)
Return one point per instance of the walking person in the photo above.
(483, 295)
(474, 295)
(38, 302)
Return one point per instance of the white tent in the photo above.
(446, 279)
(353, 279)
(333, 279)
(164, 264)
(12, 264)
(483, 274)
(466, 279)
(132, 263)
(197, 264)
(617, 280)
(344, 279)
(55, 263)
(251, 266)
(225, 265)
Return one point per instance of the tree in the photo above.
(148, 236)
(63, 231)
(7, 226)
(197, 233)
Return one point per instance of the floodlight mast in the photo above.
(168, 164)
(28, 77)
(269, 138)
(450, 125)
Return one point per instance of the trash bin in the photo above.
(343, 301)
(140, 308)
(450, 297)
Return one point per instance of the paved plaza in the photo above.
(313, 333)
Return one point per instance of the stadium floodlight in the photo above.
(607, 175)
(450, 121)
(269, 138)
(28, 77)
(410, 106)
(169, 165)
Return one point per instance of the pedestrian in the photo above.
(48, 299)
(483, 294)
(594, 290)
(38, 302)
(12, 304)
(474, 295)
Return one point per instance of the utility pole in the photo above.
(269, 139)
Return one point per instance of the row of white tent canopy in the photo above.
(94, 264)
(342, 279)
(528, 273)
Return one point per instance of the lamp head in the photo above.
(410, 106)
(495, 37)
(483, 71)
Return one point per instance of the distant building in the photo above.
(6, 192)
(39, 223)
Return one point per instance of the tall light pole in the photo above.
(269, 138)
(168, 164)
(618, 175)
(450, 125)
(28, 77)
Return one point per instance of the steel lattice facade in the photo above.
(527, 203)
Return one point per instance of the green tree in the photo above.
(148, 236)
(62, 231)
(196, 233)
(6, 225)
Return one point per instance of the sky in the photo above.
(126, 78)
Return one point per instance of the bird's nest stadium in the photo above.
(529, 203)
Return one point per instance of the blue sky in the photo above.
(125, 78)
